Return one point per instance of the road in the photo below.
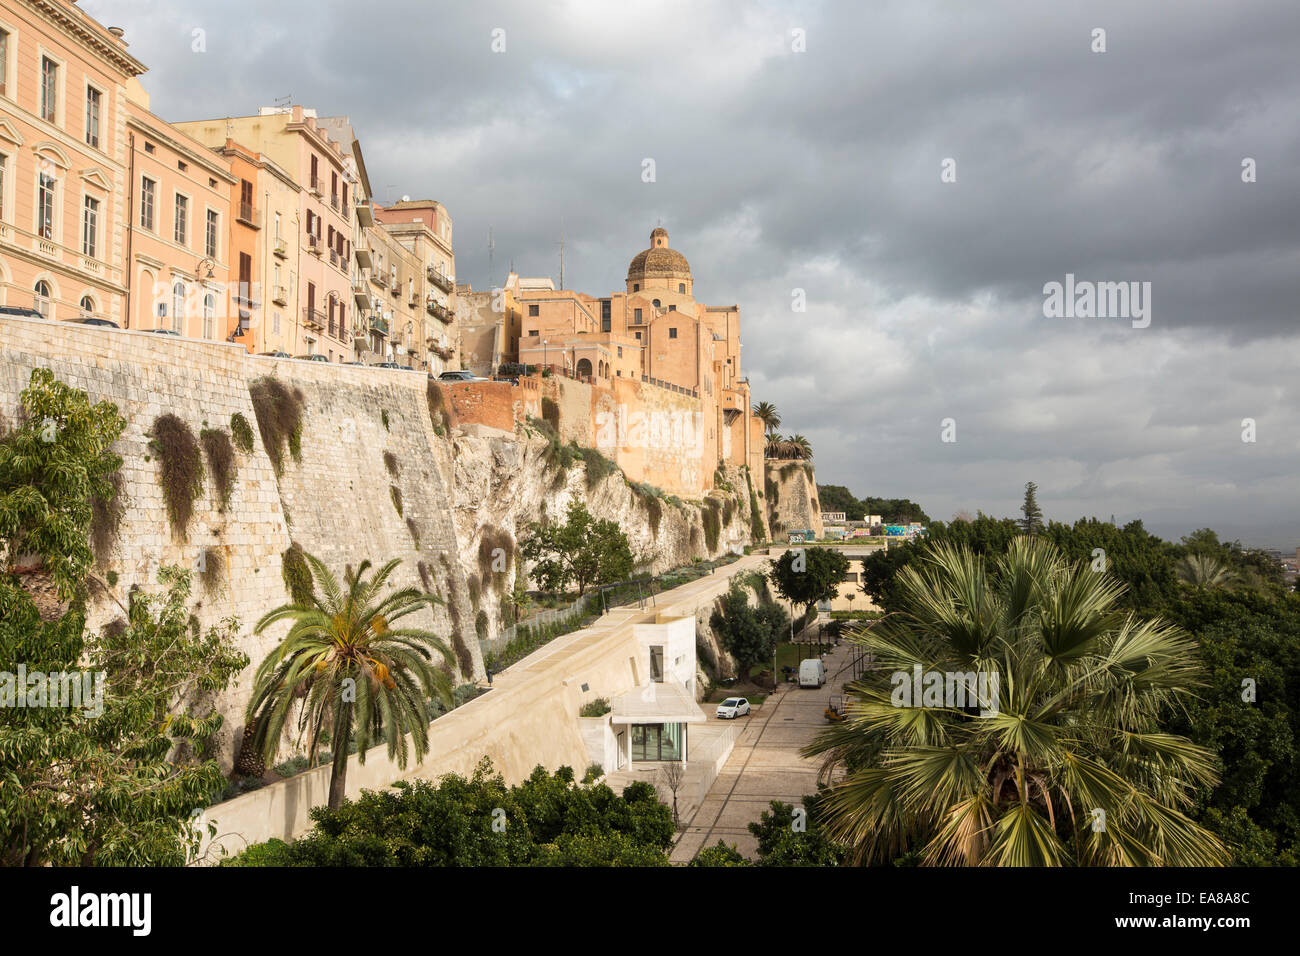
(764, 766)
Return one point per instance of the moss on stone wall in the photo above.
(180, 469)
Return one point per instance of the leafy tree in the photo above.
(891, 510)
(720, 854)
(808, 575)
(781, 843)
(584, 551)
(114, 781)
(353, 672)
(52, 468)
(547, 820)
(1205, 572)
(748, 633)
(1083, 689)
(1031, 521)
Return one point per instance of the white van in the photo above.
(812, 673)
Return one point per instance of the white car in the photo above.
(733, 707)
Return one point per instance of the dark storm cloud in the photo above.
(819, 171)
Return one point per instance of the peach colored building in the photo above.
(424, 230)
(63, 164)
(291, 138)
(178, 245)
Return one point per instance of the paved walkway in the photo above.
(764, 766)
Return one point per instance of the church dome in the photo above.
(659, 260)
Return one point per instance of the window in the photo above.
(277, 225)
(182, 231)
(636, 317)
(4, 59)
(672, 308)
(41, 300)
(620, 355)
(147, 189)
(89, 226)
(182, 165)
(657, 664)
(87, 305)
(604, 315)
(532, 331)
(93, 99)
(49, 89)
(45, 207)
(245, 278)
(149, 147)
(210, 241)
(638, 336)
(246, 201)
(636, 287)
(681, 287)
(655, 303)
(178, 305)
(672, 333)
(534, 310)
(209, 316)
(4, 169)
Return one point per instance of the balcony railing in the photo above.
(314, 245)
(380, 279)
(313, 318)
(334, 257)
(280, 295)
(249, 216)
(440, 279)
(281, 248)
(379, 325)
(334, 201)
(437, 310)
(317, 186)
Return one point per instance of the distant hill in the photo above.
(891, 510)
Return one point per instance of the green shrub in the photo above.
(180, 469)
(212, 570)
(712, 526)
(475, 590)
(242, 433)
(279, 414)
(383, 417)
(297, 575)
(439, 416)
(598, 466)
(390, 463)
(597, 707)
(594, 772)
(481, 625)
(106, 513)
(395, 493)
(220, 453)
(493, 543)
(414, 532)
(551, 413)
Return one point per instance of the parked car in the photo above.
(812, 673)
(20, 312)
(276, 354)
(164, 332)
(387, 365)
(733, 707)
(96, 320)
(362, 364)
(312, 358)
(460, 375)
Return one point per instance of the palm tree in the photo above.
(803, 446)
(1069, 764)
(1206, 572)
(766, 413)
(352, 670)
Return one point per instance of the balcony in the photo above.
(437, 310)
(395, 288)
(315, 246)
(334, 257)
(280, 295)
(313, 319)
(364, 259)
(379, 325)
(365, 215)
(317, 187)
(249, 216)
(380, 279)
(440, 279)
(281, 249)
(334, 201)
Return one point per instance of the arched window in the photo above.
(87, 305)
(584, 368)
(41, 300)
(656, 303)
(178, 306)
(681, 287)
(209, 316)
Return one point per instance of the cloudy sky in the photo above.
(821, 169)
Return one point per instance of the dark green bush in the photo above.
(279, 414)
(242, 433)
(180, 469)
(297, 575)
(220, 453)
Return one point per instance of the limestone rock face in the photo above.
(790, 492)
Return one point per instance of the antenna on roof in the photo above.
(283, 102)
